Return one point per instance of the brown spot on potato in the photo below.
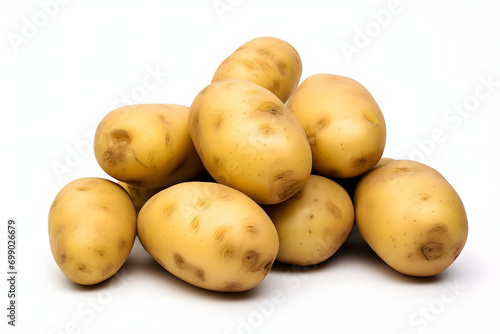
(179, 261)
(200, 274)
(282, 67)
(323, 123)
(266, 130)
(168, 209)
(119, 137)
(285, 186)
(220, 233)
(164, 119)
(195, 224)
(114, 157)
(250, 260)
(271, 107)
(225, 252)
(82, 188)
(167, 140)
(334, 209)
(371, 120)
(218, 121)
(248, 63)
(424, 197)
(62, 258)
(124, 245)
(101, 252)
(431, 250)
(232, 286)
(202, 203)
(359, 163)
(250, 230)
(83, 268)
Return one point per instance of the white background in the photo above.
(65, 64)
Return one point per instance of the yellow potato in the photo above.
(343, 122)
(92, 228)
(209, 235)
(267, 61)
(249, 140)
(411, 217)
(139, 195)
(147, 145)
(314, 223)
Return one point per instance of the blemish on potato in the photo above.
(359, 163)
(200, 274)
(218, 121)
(220, 233)
(334, 209)
(371, 120)
(119, 137)
(167, 140)
(165, 120)
(431, 250)
(323, 123)
(168, 209)
(195, 224)
(424, 197)
(100, 252)
(202, 204)
(123, 245)
(225, 252)
(266, 130)
(114, 157)
(250, 230)
(271, 107)
(232, 286)
(283, 68)
(179, 261)
(250, 260)
(83, 268)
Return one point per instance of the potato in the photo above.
(267, 61)
(147, 145)
(92, 228)
(248, 140)
(209, 235)
(411, 217)
(314, 223)
(139, 195)
(343, 122)
(349, 184)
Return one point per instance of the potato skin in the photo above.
(267, 61)
(209, 235)
(92, 228)
(247, 139)
(411, 217)
(343, 123)
(147, 145)
(139, 195)
(314, 223)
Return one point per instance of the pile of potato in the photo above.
(258, 169)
